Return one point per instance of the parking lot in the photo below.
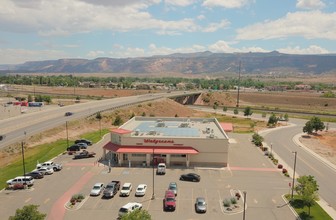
(249, 171)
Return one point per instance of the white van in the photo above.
(161, 169)
(24, 180)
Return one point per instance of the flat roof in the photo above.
(161, 127)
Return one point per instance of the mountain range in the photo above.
(187, 63)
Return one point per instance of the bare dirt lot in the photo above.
(324, 144)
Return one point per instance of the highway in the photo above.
(18, 128)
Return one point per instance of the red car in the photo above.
(169, 202)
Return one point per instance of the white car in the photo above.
(129, 207)
(141, 190)
(126, 189)
(46, 170)
(97, 189)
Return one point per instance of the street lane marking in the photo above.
(83, 168)
(255, 201)
(27, 200)
(47, 200)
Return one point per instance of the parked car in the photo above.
(46, 170)
(126, 189)
(161, 169)
(55, 166)
(68, 114)
(169, 201)
(191, 177)
(200, 205)
(82, 145)
(88, 142)
(2, 137)
(111, 189)
(35, 174)
(129, 207)
(173, 187)
(74, 147)
(97, 189)
(20, 181)
(141, 190)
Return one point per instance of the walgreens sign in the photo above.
(158, 141)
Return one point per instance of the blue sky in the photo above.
(33, 30)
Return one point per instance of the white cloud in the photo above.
(16, 56)
(181, 3)
(224, 47)
(200, 17)
(313, 49)
(212, 27)
(63, 17)
(310, 25)
(310, 4)
(226, 3)
(95, 54)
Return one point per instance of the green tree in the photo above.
(98, 116)
(308, 128)
(137, 214)
(307, 188)
(272, 120)
(248, 111)
(28, 212)
(235, 111)
(117, 121)
(30, 98)
(286, 117)
(225, 109)
(314, 124)
(257, 139)
(215, 106)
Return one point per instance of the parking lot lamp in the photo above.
(244, 204)
(271, 150)
(66, 128)
(295, 154)
(153, 195)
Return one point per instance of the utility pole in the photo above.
(66, 128)
(238, 84)
(153, 195)
(244, 204)
(295, 154)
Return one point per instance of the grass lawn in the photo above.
(41, 153)
(316, 212)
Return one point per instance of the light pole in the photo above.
(295, 154)
(271, 149)
(66, 128)
(23, 159)
(153, 195)
(238, 85)
(244, 204)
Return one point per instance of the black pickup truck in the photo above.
(84, 154)
(111, 189)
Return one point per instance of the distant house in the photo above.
(302, 87)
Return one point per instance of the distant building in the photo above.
(302, 87)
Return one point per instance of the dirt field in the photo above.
(323, 144)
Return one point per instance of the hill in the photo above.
(188, 63)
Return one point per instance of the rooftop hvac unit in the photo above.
(207, 130)
(184, 125)
(160, 124)
(211, 135)
(137, 132)
(159, 120)
(152, 132)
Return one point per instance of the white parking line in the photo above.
(46, 201)
(27, 200)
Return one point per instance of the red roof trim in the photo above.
(120, 131)
(149, 149)
(226, 126)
